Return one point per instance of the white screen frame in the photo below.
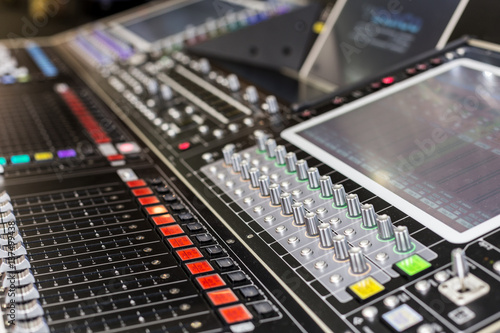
(443, 230)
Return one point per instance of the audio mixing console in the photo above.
(144, 189)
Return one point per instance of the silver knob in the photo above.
(459, 266)
(313, 176)
(291, 161)
(353, 205)
(264, 185)
(298, 213)
(302, 167)
(312, 224)
(152, 87)
(251, 94)
(204, 66)
(403, 240)
(254, 177)
(368, 216)
(270, 147)
(245, 170)
(340, 247)
(338, 195)
(260, 139)
(166, 92)
(275, 192)
(325, 183)
(272, 104)
(325, 235)
(236, 162)
(227, 152)
(280, 152)
(358, 261)
(233, 82)
(286, 203)
(385, 228)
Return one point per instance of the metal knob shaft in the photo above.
(251, 94)
(286, 203)
(245, 170)
(264, 185)
(233, 82)
(227, 152)
(275, 193)
(302, 167)
(254, 177)
(270, 147)
(368, 216)
(260, 139)
(291, 161)
(325, 183)
(459, 265)
(325, 235)
(313, 176)
(340, 247)
(272, 104)
(280, 152)
(236, 162)
(298, 213)
(338, 195)
(353, 205)
(312, 224)
(403, 240)
(358, 261)
(385, 228)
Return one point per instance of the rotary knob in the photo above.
(353, 205)
(236, 162)
(298, 213)
(280, 153)
(233, 82)
(340, 247)
(227, 152)
(357, 260)
(204, 66)
(338, 195)
(275, 194)
(325, 183)
(291, 162)
(286, 203)
(302, 167)
(270, 147)
(368, 216)
(251, 94)
(272, 104)
(166, 92)
(325, 235)
(264, 185)
(260, 139)
(254, 177)
(245, 170)
(312, 224)
(385, 228)
(313, 176)
(403, 240)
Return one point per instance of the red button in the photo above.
(136, 183)
(148, 201)
(189, 254)
(171, 230)
(221, 297)
(184, 145)
(139, 192)
(236, 313)
(388, 80)
(157, 210)
(199, 267)
(210, 281)
(180, 242)
(116, 158)
(163, 219)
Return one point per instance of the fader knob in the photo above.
(286, 203)
(459, 266)
(358, 261)
(236, 162)
(298, 213)
(272, 104)
(340, 247)
(251, 94)
(313, 176)
(264, 185)
(233, 82)
(325, 235)
(227, 152)
(385, 228)
(204, 66)
(291, 161)
(280, 152)
(302, 167)
(152, 87)
(368, 216)
(4, 196)
(270, 147)
(166, 92)
(254, 177)
(325, 183)
(275, 192)
(312, 224)
(403, 240)
(353, 205)
(260, 139)
(338, 195)
(245, 170)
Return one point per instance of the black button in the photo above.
(204, 239)
(156, 181)
(214, 251)
(237, 277)
(225, 263)
(170, 198)
(178, 207)
(250, 292)
(194, 226)
(186, 217)
(162, 189)
(264, 309)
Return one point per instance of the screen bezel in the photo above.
(418, 214)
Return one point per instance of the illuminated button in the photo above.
(180, 242)
(210, 281)
(148, 200)
(19, 159)
(412, 265)
(136, 183)
(189, 254)
(366, 288)
(235, 314)
(156, 210)
(184, 145)
(171, 230)
(221, 297)
(402, 318)
(199, 267)
(3, 161)
(140, 192)
(163, 219)
(44, 156)
(128, 148)
(117, 157)
(67, 153)
(388, 80)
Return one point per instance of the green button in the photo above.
(3, 161)
(18, 159)
(413, 265)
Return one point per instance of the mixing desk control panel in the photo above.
(145, 189)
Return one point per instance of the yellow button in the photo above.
(44, 156)
(366, 288)
(318, 27)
